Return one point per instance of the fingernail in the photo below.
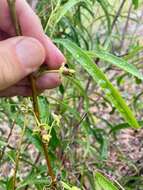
(30, 53)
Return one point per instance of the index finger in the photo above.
(30, 26)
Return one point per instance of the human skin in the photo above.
(21, 56)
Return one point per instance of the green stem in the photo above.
(18, 155)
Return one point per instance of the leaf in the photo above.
(34, 139)
(64, 106)
(67, 187)
(11, 155)
(119, 62)
(77, 83)
(54, 141)
(75, 188)
(104, 148)
(2, 143)
(91, 180)
(35, 179)
(103, 183)
(111, 92)
(3, 184)
(135, 3)
(102, 139)
(121, 126)
(44, 109)
(9, 184)
(131, 54)
(104, 4)
(63, 10)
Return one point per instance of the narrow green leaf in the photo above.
(63, 10)
(119, 62)
(67, 187)
(9, 184)
(121, 126)
(2, 143)
(77, 83)
(134, 52)
(135, 3)
(104, 148)
(111, 92)
(3, 184)
(91, 180)
(34, 139)
(104, 4)
(34, 179)
(104, 183)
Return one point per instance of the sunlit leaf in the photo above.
(67, 187)
(121, 126)
(119, 62)
(102, 183)
(104, 4)
(111, 92)
(62, 10)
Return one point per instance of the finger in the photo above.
(23, 88)
(19, 57)
(3, 35)
(24, 82)
(31, 26)
(48, 81)
(54, 58)
(16, 91)
(5, 19)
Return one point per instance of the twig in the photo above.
(125, 28)
(114, 22)
(14, 18)
(18, 31)
(18, 155)
(79, 123)
(118, 14)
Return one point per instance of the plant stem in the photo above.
(14, 18)
(18, 31)
(118, 14)
(18, 154)
(34, 97)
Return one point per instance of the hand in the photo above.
(20, 56)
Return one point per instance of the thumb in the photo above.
(19, 56)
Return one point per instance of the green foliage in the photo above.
(112, 93)
(119, 62)
(67, 187)
(135, 3)
(103, 183)
(85, 117)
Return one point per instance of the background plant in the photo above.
(91, 111)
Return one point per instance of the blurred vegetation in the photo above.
(85, 116)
